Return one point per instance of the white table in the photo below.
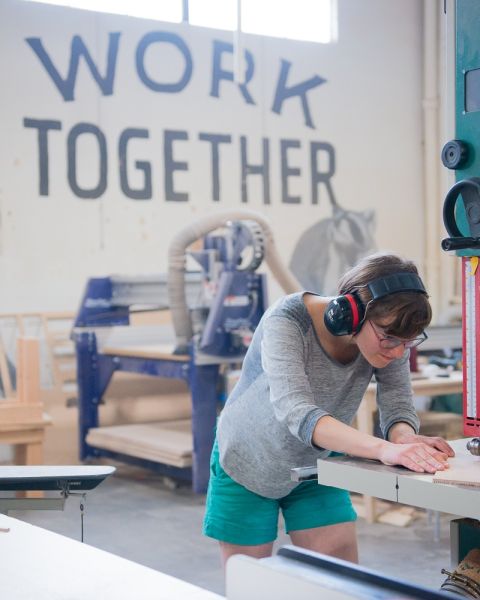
(39, 564)
(397, 484)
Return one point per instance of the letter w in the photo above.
(78, 48)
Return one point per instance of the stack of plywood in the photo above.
(130, 400)
(134, 398)
(168, 442)
(146, 417)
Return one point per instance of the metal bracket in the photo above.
(303, 473)
(8, 504)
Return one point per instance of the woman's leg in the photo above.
(260, 551)
(238, 515)
(338, 540)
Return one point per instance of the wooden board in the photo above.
(168, 442)
(26, 424)
(13, 412)
(464, 470)
(28, 371)
(145, 409)
(459, 476)
(5, 373)
(157, 351)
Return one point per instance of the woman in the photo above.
(302, 381)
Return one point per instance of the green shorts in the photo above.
(238, 516)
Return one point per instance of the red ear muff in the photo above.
(355, 312)
(344, 315)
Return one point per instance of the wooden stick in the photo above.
(5, 373)
(28, 370)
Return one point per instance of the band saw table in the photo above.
(435, 385)
(397, 484)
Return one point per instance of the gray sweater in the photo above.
(287, 384)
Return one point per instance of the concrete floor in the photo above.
(135, 515)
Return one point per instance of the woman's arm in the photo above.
(395, 396)
(417, 456)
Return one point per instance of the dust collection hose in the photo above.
(176, 267)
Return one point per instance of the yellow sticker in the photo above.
(473, 264)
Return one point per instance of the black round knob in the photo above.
(473, 213)
(454, 154)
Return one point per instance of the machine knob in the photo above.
(469, 190)
(473, 446)
(455, 154)
(460, 243)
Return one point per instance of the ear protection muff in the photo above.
(345, 314)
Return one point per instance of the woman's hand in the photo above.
(419, 456)
(408, 436)
(416, 452)
(402, 433)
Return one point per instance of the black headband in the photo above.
(394, 283)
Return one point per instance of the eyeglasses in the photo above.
(388, 342)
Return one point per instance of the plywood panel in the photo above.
(460, 475)
(167, 442)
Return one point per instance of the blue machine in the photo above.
(225, 299)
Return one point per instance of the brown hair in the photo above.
(406, 314)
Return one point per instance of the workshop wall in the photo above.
(116, 132)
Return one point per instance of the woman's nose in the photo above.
(398, 351)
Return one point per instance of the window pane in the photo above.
(310, 20)
(472, 90)
(164, 10)
(217, 14)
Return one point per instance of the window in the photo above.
(170, 10)
(309, 20)
(217, 14)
